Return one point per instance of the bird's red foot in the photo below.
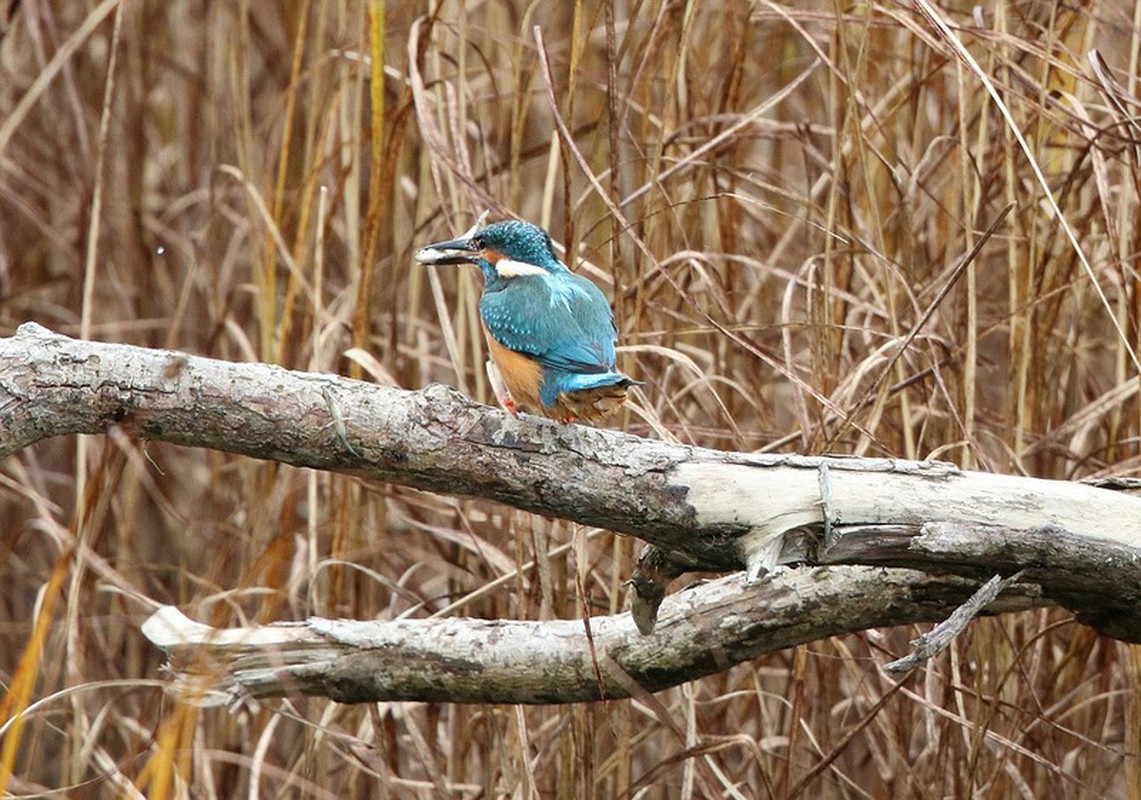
(500, 388)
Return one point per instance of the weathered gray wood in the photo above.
(704, 629)
(702, 509)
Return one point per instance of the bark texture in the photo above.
(703, 629)
(1078, 545)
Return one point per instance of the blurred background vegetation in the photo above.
(775, 195)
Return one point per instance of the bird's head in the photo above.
(507, 249)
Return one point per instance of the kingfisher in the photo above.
(550, 333)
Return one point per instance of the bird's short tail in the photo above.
(578, 382)
(590, 397)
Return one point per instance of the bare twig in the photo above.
(939, 637)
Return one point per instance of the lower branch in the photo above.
(702, 630)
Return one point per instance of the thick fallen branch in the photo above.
(700, 509)
(703, 630)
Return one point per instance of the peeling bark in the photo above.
(703, 630)
(701, 509)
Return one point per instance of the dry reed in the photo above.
(775, 196)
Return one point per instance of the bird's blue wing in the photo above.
(562, 321)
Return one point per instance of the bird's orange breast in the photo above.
(521, 375)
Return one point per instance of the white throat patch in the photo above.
(509, 268)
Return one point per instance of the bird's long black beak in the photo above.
(461, 250)
(455, 251)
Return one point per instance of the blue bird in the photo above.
(550, 333)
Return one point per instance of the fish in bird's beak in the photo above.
(456, 251)
(461, 250)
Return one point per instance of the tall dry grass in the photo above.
(775, 196)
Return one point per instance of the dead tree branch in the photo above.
(704, 629)
(698, 508)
